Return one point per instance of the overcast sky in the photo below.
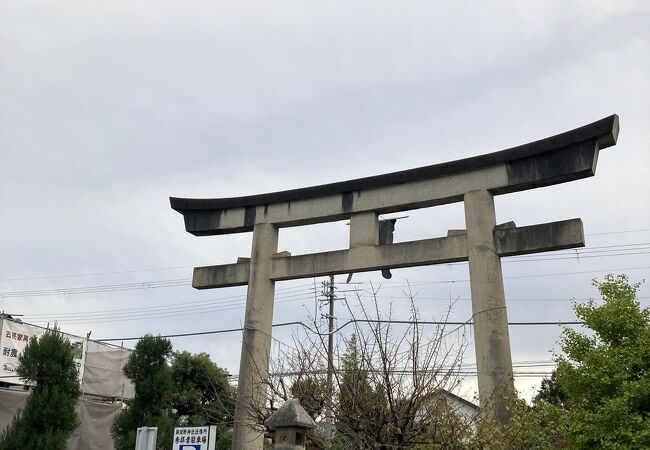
(108, 108)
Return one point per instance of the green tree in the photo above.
(49, 417)
(605, 374)
(528, 428)
(360, 405)
(148, 368)
(550, 391)
(202, 393)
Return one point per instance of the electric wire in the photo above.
(216, 305)
(171, 311)
(155, 269)
(232, 305)
(586, 252)
(161, 311)
(99, 288)
(280, 293)
(619, 232)
(538, 275)
(186, 281)
(350, 321)
(96, 274)
(162, 315)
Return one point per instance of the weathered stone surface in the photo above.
(491, 338)
(256, 338)
(290, 414)
(544, 237)
(364, 229)
(565, 157)
(224, 275)
(371, 258)
(507, 241)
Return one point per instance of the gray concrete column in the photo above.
(256, 344)
(364, 229)
(491, 337)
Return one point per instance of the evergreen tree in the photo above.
(147, 367)
(202, 393)
(360, 406)
(49, 417)
(550, 391)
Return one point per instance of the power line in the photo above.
(162, 311)
(95, 274)
(468, 374)
(600, 248)
(618, 232)
(527, 300)
(160, 316)
(147, 315)
(463, 372)
(196, 333)
(186, 281)
(577, 256)
(303, 289)
(596, 247)
(156, 269)
(467, 369)
(99, 288)
(586, 252)
(235, 302)
(539, 275)
(284, 324)
(176, 309)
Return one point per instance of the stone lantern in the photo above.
(290, 425)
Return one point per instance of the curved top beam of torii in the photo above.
(557, 159)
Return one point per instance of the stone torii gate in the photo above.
(475, 181)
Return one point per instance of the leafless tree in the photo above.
(391, 379)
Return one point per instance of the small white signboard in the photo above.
(195, 438)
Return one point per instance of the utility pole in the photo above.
(330, 343)
(328, 292)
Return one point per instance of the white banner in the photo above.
(15, 337)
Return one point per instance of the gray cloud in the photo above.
(107, 109)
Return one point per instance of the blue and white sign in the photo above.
(195, 438)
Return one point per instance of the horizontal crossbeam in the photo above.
(508, 242)
(565, 157)
(376, 257)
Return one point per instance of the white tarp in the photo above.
(14, 339)
(94, 432)
(100, 371)
(10, 402)
(103, 371)
(96, 419)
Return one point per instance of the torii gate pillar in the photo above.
(557, 159)
(256, 340)
(489, 313)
